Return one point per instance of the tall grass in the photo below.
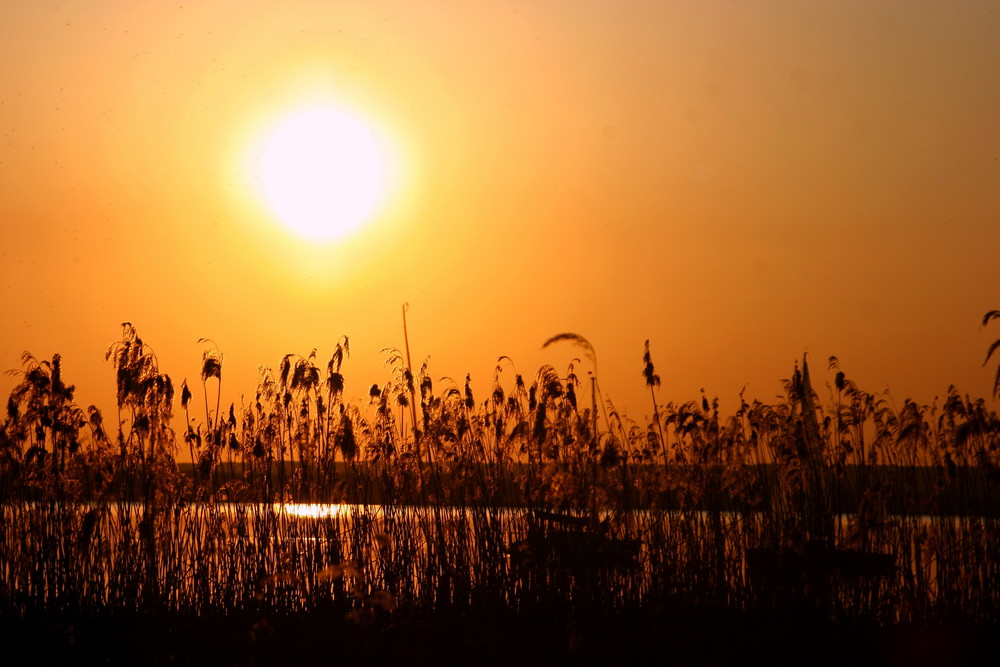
(848, 508)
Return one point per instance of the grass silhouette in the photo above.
(523, 505)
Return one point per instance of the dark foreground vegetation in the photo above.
(523, 527)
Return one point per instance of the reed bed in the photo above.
(422, 499)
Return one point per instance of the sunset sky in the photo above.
(738, 182)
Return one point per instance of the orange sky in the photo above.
(737, 182)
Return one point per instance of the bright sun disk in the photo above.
(322, 172)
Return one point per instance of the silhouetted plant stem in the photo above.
(653, 381)
(410, 387)
(994, 346)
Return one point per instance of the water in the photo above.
(296, 557)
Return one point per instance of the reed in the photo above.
(419, 498)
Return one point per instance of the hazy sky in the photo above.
(739, 182)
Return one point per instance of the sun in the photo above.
(321, 171)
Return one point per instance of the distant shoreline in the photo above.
(918, 490)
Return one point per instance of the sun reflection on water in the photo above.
(313, 510)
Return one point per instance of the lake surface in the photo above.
(297, 556)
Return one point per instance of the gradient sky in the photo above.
(739, 182)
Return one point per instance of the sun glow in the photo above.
(322, 171)
(313, 510)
